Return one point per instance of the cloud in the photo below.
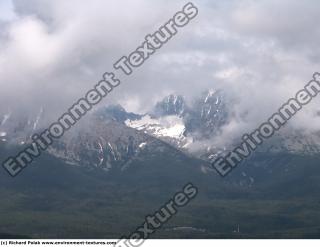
(259, 52)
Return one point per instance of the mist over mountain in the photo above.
(111, 137)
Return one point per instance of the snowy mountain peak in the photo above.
(171, 105)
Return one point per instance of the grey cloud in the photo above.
(259, 52)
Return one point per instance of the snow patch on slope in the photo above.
(169, 128)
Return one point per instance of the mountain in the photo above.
(180, 124)
(111, 137)
(207, 115)
(171, 105)
(17, 127)
(103, 144)
(115, 167)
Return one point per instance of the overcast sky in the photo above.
(259, 52)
